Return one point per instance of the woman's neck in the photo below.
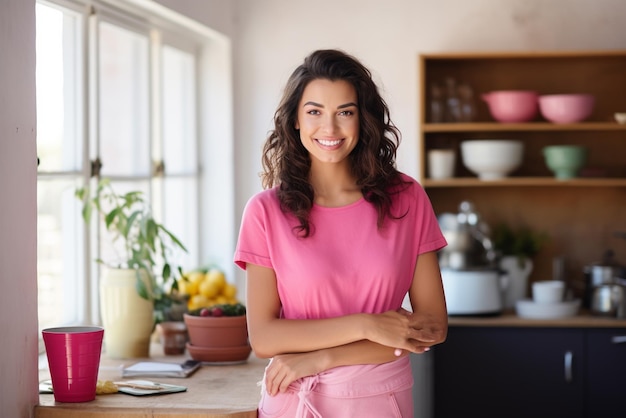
(334, 185)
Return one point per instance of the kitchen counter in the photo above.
(214, 391)
(510, 319)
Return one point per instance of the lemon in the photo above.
(188, 288)
(195, 276)
(197, 302)
(217, 278)
(209, 289)
(230, 290)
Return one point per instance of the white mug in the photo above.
(441, 163)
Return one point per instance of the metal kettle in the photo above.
(609, 300)
(469, 244)
(605, 273)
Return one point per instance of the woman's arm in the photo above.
(270, 335)
(430, 321)
(428, 300)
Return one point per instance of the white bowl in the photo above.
(620, 117)
(527, 308)
(492, 159)
(548, 291)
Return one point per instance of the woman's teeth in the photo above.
(327, 143)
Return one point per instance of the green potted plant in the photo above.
(522, 243)
(138, 288)
(516, 249)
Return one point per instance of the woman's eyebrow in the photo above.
(349, 104)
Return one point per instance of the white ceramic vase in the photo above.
(127, 318)
(517, 288)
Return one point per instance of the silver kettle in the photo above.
(609, 300)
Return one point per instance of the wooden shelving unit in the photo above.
(580, 215)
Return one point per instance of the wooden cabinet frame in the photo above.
(580, 215)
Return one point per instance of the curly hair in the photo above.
(287, 163)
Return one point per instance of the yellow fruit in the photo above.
(208, 289)
(221, 300)
(195, 276)
(197, 302)
(188, 288)
(217, 278)
(230, 290)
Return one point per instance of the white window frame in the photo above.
(214, 125)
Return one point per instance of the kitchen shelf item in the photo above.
(492, 159)
(527, 308)
(512, 105)
(565, 161)
(566, 108)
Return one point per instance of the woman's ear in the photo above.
(297, 125)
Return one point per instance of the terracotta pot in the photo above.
(217, 332)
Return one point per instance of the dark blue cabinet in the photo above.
(530, 372)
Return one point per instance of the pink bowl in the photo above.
(566, 108)
(512, 105)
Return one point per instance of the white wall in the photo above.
(18, 210)
(273, 36)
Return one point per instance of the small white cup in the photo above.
(441, 163)
(548, 291)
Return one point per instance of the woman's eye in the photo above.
(313, 112)
(346, 113)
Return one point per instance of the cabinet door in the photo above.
(509, 372)
(606, 373)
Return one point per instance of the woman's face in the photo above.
(328, 120)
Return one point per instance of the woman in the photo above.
(331, 247)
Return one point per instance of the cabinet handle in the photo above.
(618, 339)
(569, 357)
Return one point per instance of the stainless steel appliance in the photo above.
(472, 282)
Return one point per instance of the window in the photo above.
(116, 98)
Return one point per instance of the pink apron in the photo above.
(381, 391)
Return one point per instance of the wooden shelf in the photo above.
(580, 215)
(521, 127)
(525, 181)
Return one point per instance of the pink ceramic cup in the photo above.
(73, 358)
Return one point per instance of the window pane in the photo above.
(179, 116)
(60, 275)
(124, 104)
(59, 131)
(181, 215)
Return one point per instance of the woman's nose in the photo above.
(329, 124)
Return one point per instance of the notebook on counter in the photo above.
(161, 369)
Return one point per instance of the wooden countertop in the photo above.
(214, 391)
(510, 319)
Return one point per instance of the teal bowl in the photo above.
(565, 161)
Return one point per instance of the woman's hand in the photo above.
(284, 369)
(401, 330)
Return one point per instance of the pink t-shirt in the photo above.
(347, 265)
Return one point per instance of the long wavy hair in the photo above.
(286, 162)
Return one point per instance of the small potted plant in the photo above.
(522, 243)
(218, 333)
(141, 285)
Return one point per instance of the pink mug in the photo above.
(74, 359)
